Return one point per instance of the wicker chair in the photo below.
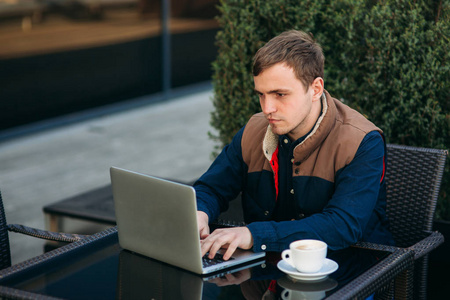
(5, 252)
(413, 179)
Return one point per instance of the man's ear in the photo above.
(317, 88)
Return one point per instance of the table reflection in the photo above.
(305, 290)
(140, 277)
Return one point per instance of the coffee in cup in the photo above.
(307, 256)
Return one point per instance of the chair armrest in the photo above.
(430, 242)
(44, 234)
(378, 277)
(375, 246)
(426, 245)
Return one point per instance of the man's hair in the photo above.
(297, 50)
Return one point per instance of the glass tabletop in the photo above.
(103, 270)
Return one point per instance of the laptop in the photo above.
(158, 218)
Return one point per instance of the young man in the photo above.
(308, 166)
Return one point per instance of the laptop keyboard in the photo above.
(218, 258)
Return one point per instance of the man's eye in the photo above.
(281, 95)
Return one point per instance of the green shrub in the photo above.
(245, 27)
(387, 59)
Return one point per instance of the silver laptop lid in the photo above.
(157, 218)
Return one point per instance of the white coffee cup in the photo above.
(307, 256)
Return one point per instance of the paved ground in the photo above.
(167, 139)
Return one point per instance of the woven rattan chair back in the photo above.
(5, 254)
(413, 180)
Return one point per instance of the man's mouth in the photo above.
(272, 120)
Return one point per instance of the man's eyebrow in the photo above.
(281, 91)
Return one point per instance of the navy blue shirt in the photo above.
(285, 208)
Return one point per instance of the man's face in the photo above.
(285, 102)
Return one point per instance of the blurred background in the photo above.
(62, 56)
(87, 84)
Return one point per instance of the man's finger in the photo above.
(204, 233)
(217, 244)
(231, 249)
(205, 246)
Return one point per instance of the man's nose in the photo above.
(268, 105)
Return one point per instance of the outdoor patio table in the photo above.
(98, 268)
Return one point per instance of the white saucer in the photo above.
(288, 283)
(328, 267)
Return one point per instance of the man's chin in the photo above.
(278, 131)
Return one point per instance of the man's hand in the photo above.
(233, 278)
(230, 238)
(202, 222)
